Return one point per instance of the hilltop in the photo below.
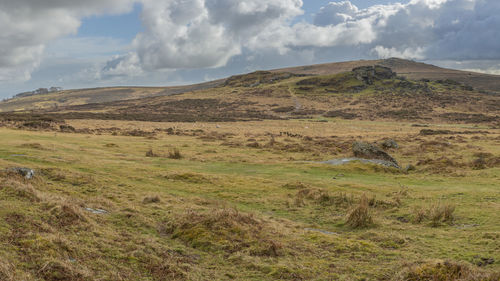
(407, 68)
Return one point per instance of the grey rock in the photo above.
(409, 168)
(25, 172)
(369, 151)
(96, 211)
(369, 74)
(343, 161)
(389, 143)
(321, 231)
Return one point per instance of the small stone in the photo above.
(409, 168)
(96, 211)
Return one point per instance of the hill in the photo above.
(94, 95)
(364, 93)
(409, 69)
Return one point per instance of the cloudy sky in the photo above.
(75, 43)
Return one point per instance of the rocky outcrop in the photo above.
(369, 151)
(369, 74)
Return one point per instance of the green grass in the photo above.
(228, 214)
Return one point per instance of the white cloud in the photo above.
(205, 33)
(410, 53)
(27, 26)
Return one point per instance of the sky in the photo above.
(97, 43)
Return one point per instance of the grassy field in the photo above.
(249, 201)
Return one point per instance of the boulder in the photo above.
(344, 161)
(369, 151)
(389, 143)
(25, 172)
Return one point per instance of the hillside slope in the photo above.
(366, 93)
(95, 95)
(409, 69)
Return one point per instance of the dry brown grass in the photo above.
(57, 271)
(19, 188)
(151, 199)
(360, 216)
(150, 153)
(323, 198)
(6, 271)
(445, 271)
(225, 229)
(436, 213)
(174, 154)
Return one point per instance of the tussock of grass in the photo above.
(55, 270)
(323, 197)
(151, 199)
(32, 146)
(445, 270)
(295, 185)
(189, 177)
(65, 214)
(227, 230)
(6, 271)
(436, 213)
(174, 154)
(17, 187)
(70, 177)
(360, 216)
(150, 153)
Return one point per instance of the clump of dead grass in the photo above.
(55, 270)
(150, 153)
(151, 199)
(174, 154)
(436, 213)
(65, 214)
(360, 216)
(19, 188)
(32, 146)
(189, 177)
(444, 270)
(6, 271)
(295, 185)
(227, 230)
(323, 197)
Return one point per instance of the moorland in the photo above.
(231, 180)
